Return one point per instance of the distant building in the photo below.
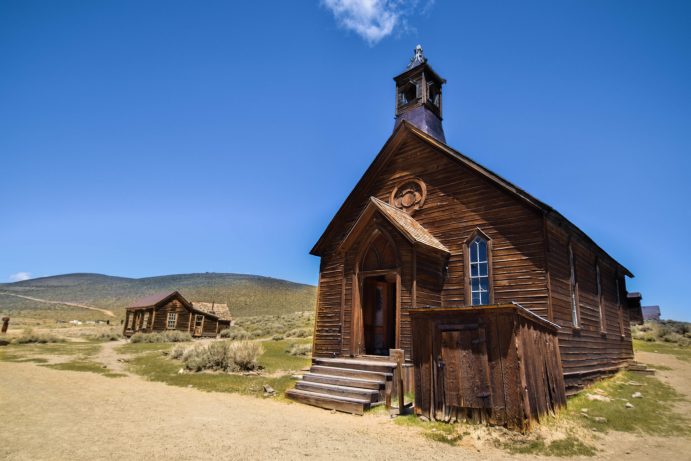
(171, 311)
(651, 312)
(633, 304)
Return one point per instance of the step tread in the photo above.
(355, 362)
(378, 374)
(320, 395)
(356, 382)
(339, 387)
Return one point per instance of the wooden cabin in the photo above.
(171, 311)
(428, 227)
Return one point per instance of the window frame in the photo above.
(573, 290)
(174, 319)
(600, 300)
(468, 277)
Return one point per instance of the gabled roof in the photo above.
(216, 309)
(158, 298)
(406, 129)
(412, 230)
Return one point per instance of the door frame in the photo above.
(357, 346)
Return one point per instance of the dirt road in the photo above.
(49, 414)
(61, 303)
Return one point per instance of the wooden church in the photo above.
(435, 255)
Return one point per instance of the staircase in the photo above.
(344, 384)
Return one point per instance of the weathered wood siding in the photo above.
(488, 364)
(593, 348)
(458, 202)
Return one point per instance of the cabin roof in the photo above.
(152, 300)
(216, 309)
(406, 128)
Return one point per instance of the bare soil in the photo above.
(50, 414)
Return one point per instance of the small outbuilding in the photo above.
(171, 311)
(498, 364)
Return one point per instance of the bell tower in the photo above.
(418, 96)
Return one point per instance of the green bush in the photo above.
(277, 337)
(172, 336)
(225, 356)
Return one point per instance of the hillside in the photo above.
(245, 295)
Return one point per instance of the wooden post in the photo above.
(5, 324)
(398, 356)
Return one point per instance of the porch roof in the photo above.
(412, 230)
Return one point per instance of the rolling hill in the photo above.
(246, 295)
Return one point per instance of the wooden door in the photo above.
(378, 316)
(464, 366)
(198, 324)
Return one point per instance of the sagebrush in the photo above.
(172, 336)
(228, 356)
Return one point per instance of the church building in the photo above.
(428, 228)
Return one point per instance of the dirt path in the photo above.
(679, 377)
(111, 359)
(62, 303)
(49, 414)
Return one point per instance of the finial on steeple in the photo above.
(418, 58)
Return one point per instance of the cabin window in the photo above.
(574, 290)
(601, 308)
(172, 320)
(145, 321)
(130, 321)
(479, 272)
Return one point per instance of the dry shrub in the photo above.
(234, 332)
(220, 356)
(172, 336)
(299, 333)
(29, 337)
(107, 336)
(300, 349)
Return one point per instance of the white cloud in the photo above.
(371, 19)
(20, 276)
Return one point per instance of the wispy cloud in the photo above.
(19, 276)
(372, 19)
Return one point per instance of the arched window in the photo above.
(479, 271)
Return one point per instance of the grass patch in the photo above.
(155, 366)
(85, 366)
(433, 430)
(680, 352)
(35, 352)
(139, 348)
(653, 414)
(568, 446)
(172, 336)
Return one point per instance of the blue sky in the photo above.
(148, 138)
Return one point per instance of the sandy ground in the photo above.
(49, 414)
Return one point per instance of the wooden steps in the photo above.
(344, 384)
